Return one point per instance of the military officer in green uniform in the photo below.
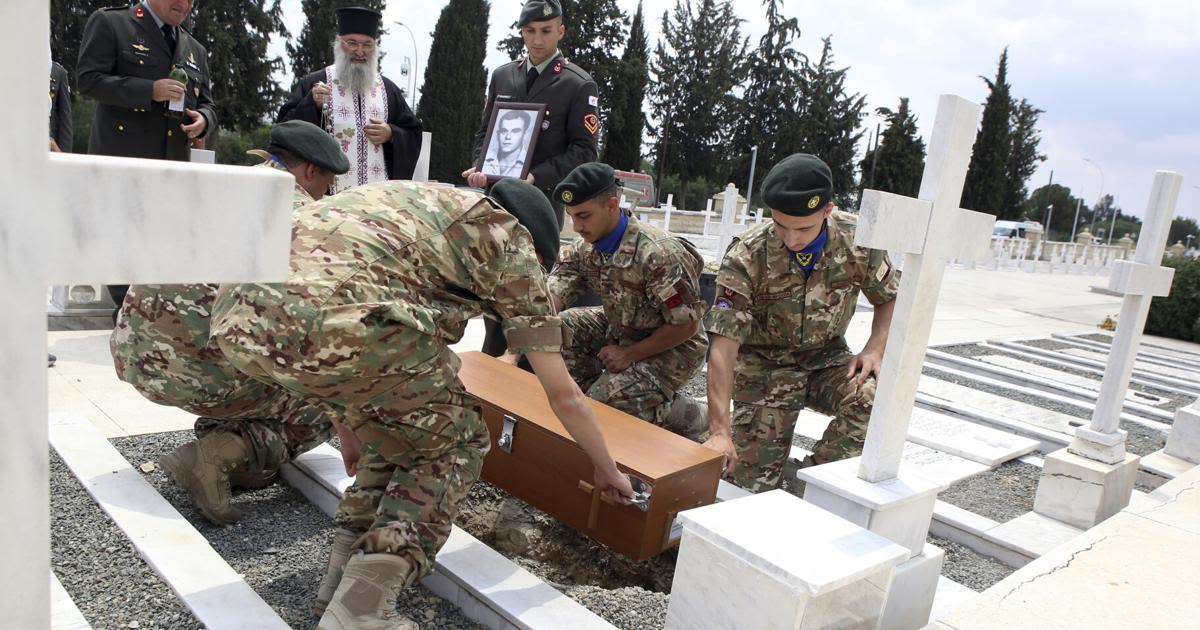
(786, 292)
(125, 60)
(247, 429)
(568, 134)
(645, 342)
(62, 129)
(384, 277)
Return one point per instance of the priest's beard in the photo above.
(357, 77)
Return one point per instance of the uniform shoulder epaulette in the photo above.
(122, 7)
(580, 72)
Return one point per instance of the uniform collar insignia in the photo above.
(139, 13)
(558, 66)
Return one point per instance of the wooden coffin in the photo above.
(536, 460)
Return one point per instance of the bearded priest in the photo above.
(363, 110)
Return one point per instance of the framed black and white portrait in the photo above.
(511, 136)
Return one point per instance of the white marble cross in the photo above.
(929, 231)
(728, 227)
(67, 218)
(1140, 279)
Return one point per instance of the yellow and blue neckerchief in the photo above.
(609, 244)
(806, 259)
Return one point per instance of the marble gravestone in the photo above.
(68, 218)
(742, 565)
(873, 490)
(1093, 477)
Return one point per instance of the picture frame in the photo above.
(512, 136)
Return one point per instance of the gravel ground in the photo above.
(1141, 440)
(1047, 344)
(281, 544)
(974, 571)
(98, 566)
(1173, 401)
(1000, 494)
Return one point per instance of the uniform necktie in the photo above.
(530, 77)
(169, 34)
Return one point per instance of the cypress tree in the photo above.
(984, 186)
(1023, 159)
(901, 150)
(773, 77)
(455, 82)
(697, 65)
(626, 119)
(313, 50)
(827, 121)
(243, 87)
(67, 19)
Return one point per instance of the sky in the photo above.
(1119, 81)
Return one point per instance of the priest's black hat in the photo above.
(359, 21)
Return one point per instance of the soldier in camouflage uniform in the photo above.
(785, 294)
(161, 345)
(384, 277)
(645, 342)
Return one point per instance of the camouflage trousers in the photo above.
(644, 389)
(415, 470)
(161, 347)
(763, 435)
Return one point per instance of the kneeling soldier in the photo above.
(161, 345)
(384, 277)
(785, 294)
(645, 342)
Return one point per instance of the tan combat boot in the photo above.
(252, 479)
(343, 540)
(202, 468)
(687, 417)
(366, 598)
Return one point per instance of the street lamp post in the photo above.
(416, 65)
(1099, 195)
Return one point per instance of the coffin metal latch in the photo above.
(641, 492)
(505, 441)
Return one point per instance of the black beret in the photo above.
(359, 21)
(311, 144)
(585, 182)
(799, 185)
(539, 10)
(533, 211)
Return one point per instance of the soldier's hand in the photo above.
(378, 131)
(54, 146)
(723, 444)
(864, 364)
(615, 484)
(351, 448)
(195, 128)
(167, 90)
(475, 178)
(529, 179)
(320, 94)
(616, 359)
(510, 358)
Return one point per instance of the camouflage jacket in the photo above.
(783, 319)
(652, 280)
(383, 278)
(162, 338)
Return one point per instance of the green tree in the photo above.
(595, 30)
(984, 187)
(698, 63)
(626, 120)
(244, 90)
(901, 154)
(1062, 216)
(827, 121)
(455, 80)
(773, 73)
(313, 50)
(67, 19)
(1181, 229)
(1022, 160)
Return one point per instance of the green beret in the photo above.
(311, 144)
(584, 183)
(800, 185)
(539, 10)
(533, 211)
